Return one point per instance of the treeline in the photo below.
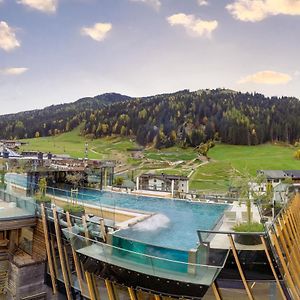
(190, 118)
(185, 118)
(54, 119)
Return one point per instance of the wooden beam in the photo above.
(110, 290)
(54, 256)
(284, 266)
(237, 261)
(96, 291)
(272, 268)
(61, 255)
(68, 266)
(291, 262)
(132, 293)
(216, 291)
(90, 285)
(48, 249)
(75, 257)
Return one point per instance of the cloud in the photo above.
(195, 27)
(8, 40)
(154, 3)
(47, 6)
(202, 2)
(98, 32)
(257, 10)
(267, 77)
(13, 71)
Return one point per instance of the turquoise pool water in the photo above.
(173, 226)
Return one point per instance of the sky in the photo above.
(57, 51)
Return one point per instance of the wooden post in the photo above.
(90, 285)
(132, 294)
(216, 291)
(110, 291)
(272, 268)
(237, 261)
(48, 249)
(61, 255)
(75, 257)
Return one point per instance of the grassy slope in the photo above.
(243, 158)
(213, 176)
(74, 144)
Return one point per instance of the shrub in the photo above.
(249, 227)
(73, 209)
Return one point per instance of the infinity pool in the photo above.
(173, 226)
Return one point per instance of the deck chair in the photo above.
(230, 216)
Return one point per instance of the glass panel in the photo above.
(140, 262)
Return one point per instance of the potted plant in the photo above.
(74, 209)
(245, 185)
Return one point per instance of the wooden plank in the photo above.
(46, 235)
(16, 224)
(61, 255)
(237, 261)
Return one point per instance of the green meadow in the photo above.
(213, 176)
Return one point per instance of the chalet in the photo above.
(163, 183)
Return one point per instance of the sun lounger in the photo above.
(245, 217)
(230, 216)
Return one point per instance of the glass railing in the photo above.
(197, 273)
(15, 206)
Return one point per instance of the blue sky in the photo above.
(56, 51)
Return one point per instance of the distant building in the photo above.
(12, 144)
(8, 153)
(164, 183)
(279, 181)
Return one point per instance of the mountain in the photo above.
(186, 118)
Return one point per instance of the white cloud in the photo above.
(257, 10)
(98, 32)
(154, 3)
(8, 40)
(267, 77)
(13, 71)
(47, 6)
(195, 27)
(202, 2)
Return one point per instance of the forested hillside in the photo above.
(185, 118)
(54, 119)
